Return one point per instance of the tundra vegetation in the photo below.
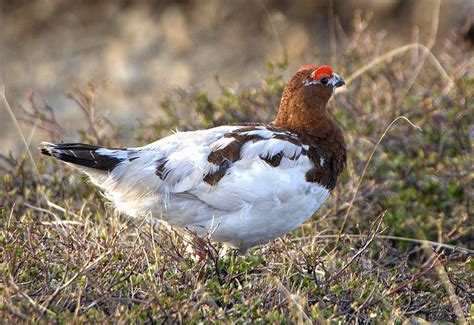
(393, 243)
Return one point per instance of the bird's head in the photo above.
(306, 95)
(317, 82)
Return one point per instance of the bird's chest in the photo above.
(272, 216)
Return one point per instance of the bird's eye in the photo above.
(324, 80)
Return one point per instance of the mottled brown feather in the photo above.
(302, 119)
(227, 155)
(214, 178)
(160, 168)
(273, 161)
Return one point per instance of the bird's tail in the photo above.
(125, 178)
(93, 158)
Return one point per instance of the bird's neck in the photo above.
(318, 129)
(308, 118)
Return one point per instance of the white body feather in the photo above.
(253, 203)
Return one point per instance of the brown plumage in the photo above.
(303, 119)
(303, 110)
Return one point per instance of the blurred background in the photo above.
(142, 50)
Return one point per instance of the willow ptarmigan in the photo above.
(243, 184)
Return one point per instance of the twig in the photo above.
(42, 117)
(414, 240)
(332, 34)
(36, 305)
(17, 126)
(374, 233)
(290, 297)
(85, 268)
(369, 304)
(403, 286)
(421, 63)
(275, 32)
(12, 163)
(453, 298)
(58, 288)
(16, 312)
(390, 55)
(367, 165)
(42, 210)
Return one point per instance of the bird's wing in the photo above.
(224, 167)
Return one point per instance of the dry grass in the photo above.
(384, 248)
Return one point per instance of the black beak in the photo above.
(340, 83)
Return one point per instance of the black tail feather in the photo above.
(83, 154)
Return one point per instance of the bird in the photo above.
(241, 185)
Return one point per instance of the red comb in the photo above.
(323, 71)
(307, 67)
